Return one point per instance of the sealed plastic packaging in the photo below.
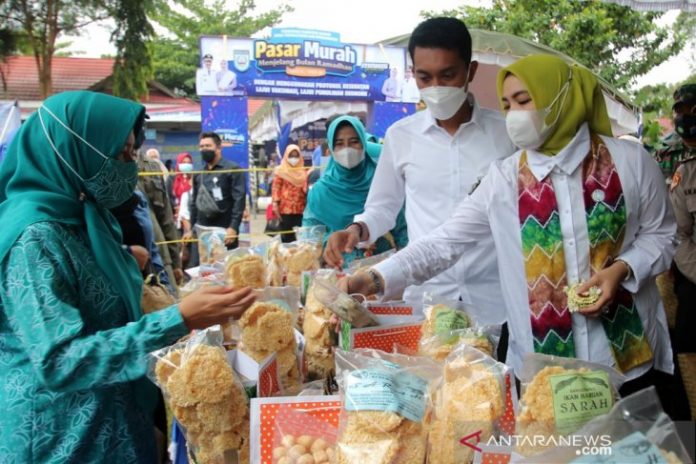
(320, 336)
(484, 338)
(387, 402)
(636, 430)
(268, 327)
(205, 395)
(211, 244)
(246, 267)
(443, 316)
(358, 265)
(467, 406)
(301, 439)
(559, 395)
(287, 261)
(343, 305)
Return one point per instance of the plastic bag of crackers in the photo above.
(211, 244)
(268, 326)
(319, 332)
(439, 346)
(636, 430)
(358, 265)
(300, 438)
(467, 406)
(559, 395)
(246, 267)
(387, 402)
(206, 397)
(287, 261)
(443, 316)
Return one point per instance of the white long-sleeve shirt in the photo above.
(433, 171)
(648, 245)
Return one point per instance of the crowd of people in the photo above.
(499, 210)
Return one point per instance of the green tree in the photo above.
(176, 54)
(41, 21)
(133, 34)
(595, 33)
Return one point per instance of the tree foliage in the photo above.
(133, 34)
(176, 54)
(616, 42)
(40, 22)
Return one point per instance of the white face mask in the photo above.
(528, 129)
(185, 167)
(293, 161)
(349, 157)
(444, 102)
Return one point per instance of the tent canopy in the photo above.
(495, 50)
(657, 5)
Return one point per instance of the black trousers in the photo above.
(684, 340)
(289, 222)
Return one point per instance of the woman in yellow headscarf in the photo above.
(290, 191)
(572, 206)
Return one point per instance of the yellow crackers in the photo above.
(377, 437)
(536, 416)
(246, 271)
(206, 399)
(470, 400)
(267, 328)
(319, 337)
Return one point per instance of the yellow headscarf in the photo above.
(544, 76)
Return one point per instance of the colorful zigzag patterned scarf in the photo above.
(542, 246)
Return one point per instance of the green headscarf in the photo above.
(544, 76)
(341, 193)
(38, 186)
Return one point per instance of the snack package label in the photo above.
(577, 398)
(635, 448)
(281, 304)
(380, 390)
(446, 321)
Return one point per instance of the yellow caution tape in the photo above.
(219, 171)
(194, 240)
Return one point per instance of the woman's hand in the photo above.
(608, 281)
(215, 305)
(276, 209)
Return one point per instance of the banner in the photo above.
(303, 64)
(10, 120)
(227, 117)
(384, 114)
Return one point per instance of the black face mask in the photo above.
(208, 155)
(685, 125)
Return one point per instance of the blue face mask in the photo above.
(115, 181)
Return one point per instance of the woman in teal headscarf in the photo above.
(341, 192)
(73, 341)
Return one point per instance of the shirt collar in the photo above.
(567, 160)
(429, 122)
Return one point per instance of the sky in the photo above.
(370, 21)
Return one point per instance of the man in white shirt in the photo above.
(409, 91)
(392, 87)
(432, 160)
(206, 78)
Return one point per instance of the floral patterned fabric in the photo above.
(69, 358)
(292, 199)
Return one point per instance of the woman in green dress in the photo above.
(341, 192)
(73, 340)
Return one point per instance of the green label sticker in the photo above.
(345, 336)
(577, 398)
(282, 304)
(450, 319)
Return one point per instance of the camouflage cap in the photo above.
(685, 95)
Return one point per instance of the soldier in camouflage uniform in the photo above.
(683, 195)
(162, 216)
(672, 150)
